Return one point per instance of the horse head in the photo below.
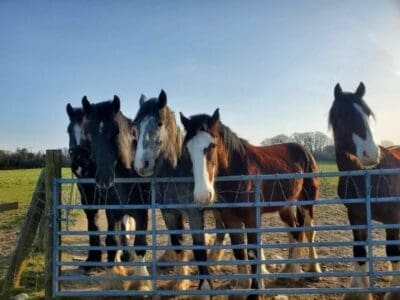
(79, 148)
(202, 141)
(158, 135)
(111, 138)
(349, 118)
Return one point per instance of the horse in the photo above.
(160, 153)
(82, 166)
(112, 140)
(356, 149)
(215, 150)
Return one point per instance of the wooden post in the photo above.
(18, 259)
(53, 170)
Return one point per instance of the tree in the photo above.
(387, 143)
(278, 139)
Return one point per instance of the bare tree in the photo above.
(278, 139)
(387, 143)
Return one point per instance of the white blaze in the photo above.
(78, 134)
(203, 188)
(139, 156)
(366, 149)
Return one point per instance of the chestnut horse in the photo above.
(356, 150)
(216, 151)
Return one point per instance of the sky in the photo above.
(270, 66)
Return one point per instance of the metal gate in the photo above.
(334, 244)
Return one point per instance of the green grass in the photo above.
(18, 185)
(329, 184)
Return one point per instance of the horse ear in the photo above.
(338, 91)
(70, 111)
(360, 92)
(116, 104)
(87, 107)
(142, 99)
(185, 121)
(162, 100)
(215, 117)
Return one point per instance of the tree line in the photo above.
(22, 158)
(320, 145)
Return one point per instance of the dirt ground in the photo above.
(326, 215)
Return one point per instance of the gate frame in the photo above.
(370, 259)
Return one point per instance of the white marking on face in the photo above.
(78, 134)
(203, 188)
(79, 171)
(140, 151)
(101, 126)
(366, 149)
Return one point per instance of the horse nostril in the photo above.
(146, 164)
(365, 154)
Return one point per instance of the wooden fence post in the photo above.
(26, 238)
(53, 170)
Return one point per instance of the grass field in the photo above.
(18, 185)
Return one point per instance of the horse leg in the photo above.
(196, 221)
(252, 254)
(175, 223)
(111, 239)
(310, 235)
(232, 221)
(393, 250)
(141, 219)
(124, 255)
(94, 240)
(217, 254)
(288, 215)
(359, 252)
(114, 221)
(170, 254)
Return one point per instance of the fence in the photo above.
(334, 244)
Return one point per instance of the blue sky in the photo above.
(270, 66)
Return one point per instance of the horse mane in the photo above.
(233, 143)
(342, 106)
(173, 149)
(125, 140)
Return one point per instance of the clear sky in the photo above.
(270, 66)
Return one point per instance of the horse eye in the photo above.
(202, 128)
(159, 124)
(212, 145)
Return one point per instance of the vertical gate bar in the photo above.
(369, 229)
(258, 224)
(154, 237)
(56, 239)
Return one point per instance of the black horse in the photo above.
(112, 141)
(82, 166)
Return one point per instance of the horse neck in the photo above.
(231, 160)
(125, 140)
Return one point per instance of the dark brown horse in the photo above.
(356, 150)
(216, 151)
